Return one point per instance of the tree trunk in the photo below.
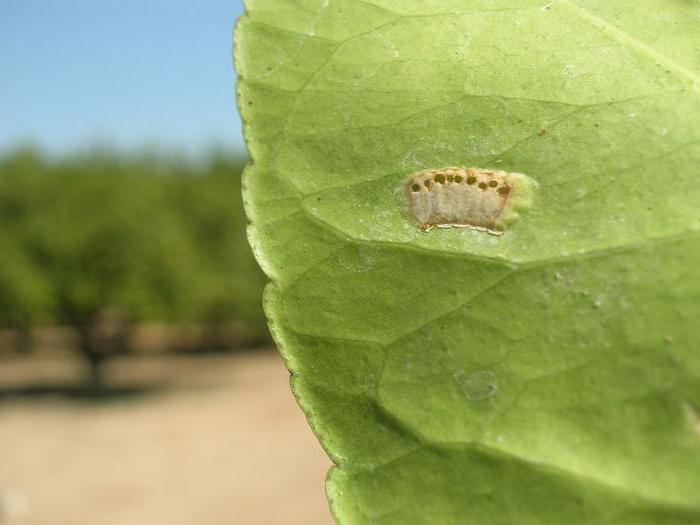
(95, 359)
(103, 335)
(96, 378)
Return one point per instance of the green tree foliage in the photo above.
(145, 238)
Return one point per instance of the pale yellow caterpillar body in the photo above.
(480, 199)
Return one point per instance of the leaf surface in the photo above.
(549, 375)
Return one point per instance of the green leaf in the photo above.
(550, 375)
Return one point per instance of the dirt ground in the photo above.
(222, 442)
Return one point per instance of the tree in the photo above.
(114, 241)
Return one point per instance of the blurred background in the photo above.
(138, 382)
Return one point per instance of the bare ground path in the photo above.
(225, 443)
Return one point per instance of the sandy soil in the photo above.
(224, 443)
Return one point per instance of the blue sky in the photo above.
(126, 73)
